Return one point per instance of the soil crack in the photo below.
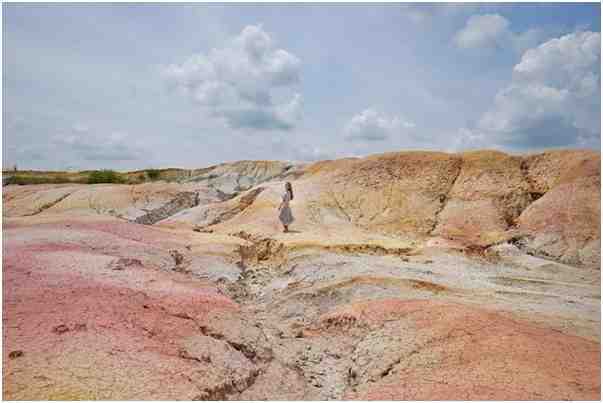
(49, 205)
(445, 197)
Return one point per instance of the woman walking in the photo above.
(285, 214)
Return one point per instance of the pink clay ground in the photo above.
(471, 353)
(89, 332)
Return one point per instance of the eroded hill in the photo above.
(411, 275)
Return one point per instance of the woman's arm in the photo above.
(284, 199)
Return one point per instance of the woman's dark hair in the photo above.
(289, 189)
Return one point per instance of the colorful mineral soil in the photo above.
(405, 276)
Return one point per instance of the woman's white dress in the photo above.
(286, 216)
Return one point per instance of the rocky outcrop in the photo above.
(564, 222)
(182, 201)
(546, 170)
(261, 250)
(204, 216)
(394, 193)
(235, 177)
(488, 195)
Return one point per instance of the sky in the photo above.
(135, 86)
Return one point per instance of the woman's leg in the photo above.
(286, 228)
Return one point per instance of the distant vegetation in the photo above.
(28, 177)
(105, 176)
(153, 174)
(24, 179)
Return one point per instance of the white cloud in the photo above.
(482, 30)
(466, 139)
(237, 82)
(286, 148)
(417, 15)
(527, 39)
(84, 144)
(80, 128)
(553, 99)
(372, 125)
(428, 14)
(308, 153)
(492, 30)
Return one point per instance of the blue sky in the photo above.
(151, 85)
